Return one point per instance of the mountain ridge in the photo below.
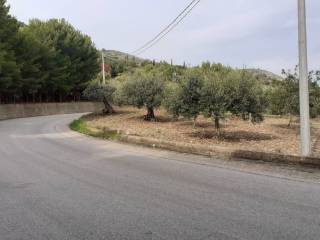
(115, 55)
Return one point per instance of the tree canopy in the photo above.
(101, 93)
(43, 60)
(9, 68)
(144, 89)
(211, 90)
(284, 95)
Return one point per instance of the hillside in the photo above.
(118, 57)
(265, 75)
(114, 55)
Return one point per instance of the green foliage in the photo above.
(213, 90)
(191, 92)
(184, 98)
(248, 99)
(81, 126)
(122, 63)
(284, 96)
(100, 92)
(215, 99)
(172, 100)
(144, 90)
(216, 94)
(44, 59)
(314, 93)
(9, 69)
(74, 61)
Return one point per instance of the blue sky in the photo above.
(252, 33)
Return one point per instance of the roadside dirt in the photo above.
(273, 135)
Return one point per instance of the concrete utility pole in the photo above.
(103, 69)
(304, 81)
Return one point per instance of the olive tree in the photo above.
(144, 90)
(101, 92)
(284, 96)
(248, 98)
(315, 94)
(191, 90)
(172, 99)
(215, 99)
(183, 99)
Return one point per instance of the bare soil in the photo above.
(273, 135)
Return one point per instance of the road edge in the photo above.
(79, 125)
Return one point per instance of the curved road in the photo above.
(56, 184)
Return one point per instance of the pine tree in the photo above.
(9, 70)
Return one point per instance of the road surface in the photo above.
(60, 185)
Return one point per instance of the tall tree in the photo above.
(9, 70)
(73, 59)
(32, 59)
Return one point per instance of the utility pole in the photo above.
(304, 81)
(103, 69)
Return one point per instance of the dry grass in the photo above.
(273, 135)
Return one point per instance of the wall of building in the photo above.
(10, 111)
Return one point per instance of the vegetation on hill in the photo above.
(265, 76)
(114, 55)
(120, 62)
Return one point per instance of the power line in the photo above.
(168, 29)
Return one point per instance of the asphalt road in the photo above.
(56, 184)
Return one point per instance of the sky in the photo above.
(239, 33)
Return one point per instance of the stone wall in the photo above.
(10, 111)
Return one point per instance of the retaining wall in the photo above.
(10, 111)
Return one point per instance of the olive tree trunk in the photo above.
(108, 109)
(150, 115)
(217, 124)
